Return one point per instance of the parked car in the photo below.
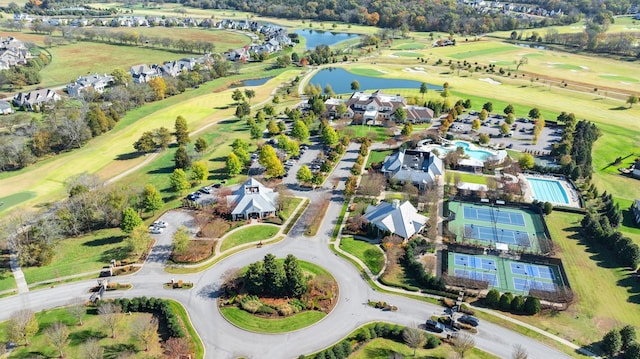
(155, 230)
(160, 224)
(206, 190)
(434, 326)
(467, 319)
(217, 185)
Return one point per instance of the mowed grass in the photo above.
(222, 39)
(14, 199)
(249, 234)
(80, 255)
(92, 328)
(368, 253)
(366, 72)
(248, 321)
(407, 54)
(607, 296)
(7, 282)
(383, 349)
(409, 46)
(470, 177)
(377, 157)
(379, 132)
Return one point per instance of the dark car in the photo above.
(217, 185)
(434, 326)
(467, 319)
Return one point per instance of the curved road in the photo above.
(223, 340)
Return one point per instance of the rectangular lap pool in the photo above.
(548, 190)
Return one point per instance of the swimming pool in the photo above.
(479, 155)
(548, 190)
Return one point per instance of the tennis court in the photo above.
(496, 215)
(499, 235)
(504, 274)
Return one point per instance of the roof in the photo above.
(400, 219)
(413, 165)
(253, 197)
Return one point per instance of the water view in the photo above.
(315, 37)
(251, 82)
(340, 80)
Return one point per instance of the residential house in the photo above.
(35, 99)
(402, 220)
(374, 107)
(142, 73)
(419, 114)
(240, 54)
(5, 108)
(95, 82)
(413, 166)
(252, 200)
(635, 210)
(13, 52)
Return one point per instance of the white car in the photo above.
(155, 230)
(160, 224)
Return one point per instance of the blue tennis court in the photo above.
(492, 279)
(528, 284)
(532, 270)
(494, 215)
(499, 235)
(464, 260)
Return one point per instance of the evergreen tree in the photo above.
(201, 145)
(296, 283)
(628, 336)
(274, 276)
(181, 158)
(254, 278)
(181, 131)
(612, 342)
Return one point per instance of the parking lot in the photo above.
(521, 136)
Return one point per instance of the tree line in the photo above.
(273, 278)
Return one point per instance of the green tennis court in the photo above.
(504, 274)
(489, 226)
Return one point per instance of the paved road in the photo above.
(223, 340)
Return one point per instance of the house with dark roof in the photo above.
(402, 220)
(635, 210)
(413, 166)
(419, 114)
(35, 99)
(252, 200)
(143, 73)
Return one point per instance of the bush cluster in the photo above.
(416, 270)
(507, 302)
(160, 307)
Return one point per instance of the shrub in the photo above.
(250, 303)
(505, 301)
(285, 309)
(297, 305)
(432, 341)
(532, 305)
(517, 304)
(492, 299)
(265, 309)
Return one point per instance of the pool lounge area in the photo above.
(557, 191)
(477, 155)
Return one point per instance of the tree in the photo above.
(234, 166)
(162, 137)
(256, 131)
(519, 352)
(243, 109)
(509, 109)
(22, 326)
(138, 240)
(505, 129)
(462, 344)
(488, 106)
(181, 239)
(199, 171)
(400, 115)
(151, 199)
(612, 342)
(179, 182)
(493, 298)
(110, 316)
(505, 301)
(182, 131)
(254, 278)
(547, 208)
(201, 145)
(145, 330)
(475, 125)
(407, 129)
(269, 159)
(181, 158)
(145, 143)
(526, 161)
(534, 113)
(77, 309)
(628, 336)
(523, 61)
(532, 305)
(355, 85)
(296, 284)
(121, 77)
(274, 275)
(91, 349)
(633, 351)
(484, 138)
(130, 220)
(423, 90)
(413, 338)
(272, 127)
(510, 119)
(58, 336)
(176, 347)
(483, 115)
(632, 100)
(300, 131)
(329, 135)
(237, 96)
(249, 94)
(304, 175)
(159, 87)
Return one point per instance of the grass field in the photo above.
(14, 199)
(368, 253)
(7, 281)
(222, 39)
(363, 131)
(407, 54)
(78, 255)
(470, 177)
(383, 348)
(249, 234)
(248, 321)
(377, 157)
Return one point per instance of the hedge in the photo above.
(159, 307)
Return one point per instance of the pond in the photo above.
(315, 37)
(532, 46)
(340, 80)
(251, 82)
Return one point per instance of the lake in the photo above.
(315, 37)
(340, 80)
(251, 82)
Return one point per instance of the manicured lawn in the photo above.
(407, 54)
(248, 321)
(222, 39)
(366, 72)
(363, 131)
(369, 253)
(619, 78)
(78, 255)
(591, 272)
(470, 177)
(249, 234)
(382, 349)
(11, 200)
(6, 276)
(410, 46)
(377, 157)
(286, 212)
(92, 328)
(192, 334)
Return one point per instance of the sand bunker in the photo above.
(490, 81)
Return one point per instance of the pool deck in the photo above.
(527, 191)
